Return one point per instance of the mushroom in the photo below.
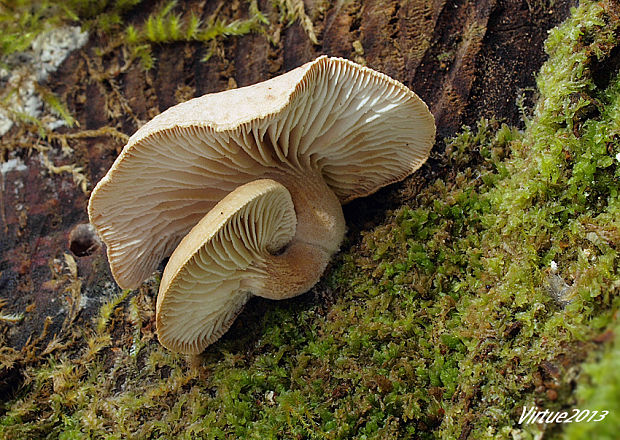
(329, 131)
(245, 245)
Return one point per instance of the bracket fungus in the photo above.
(243, 189)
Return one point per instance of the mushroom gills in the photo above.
(357, 128)
(229, 255)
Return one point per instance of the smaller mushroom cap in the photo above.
(210, 275)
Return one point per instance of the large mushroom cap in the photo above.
(357, 128)
(211, 274)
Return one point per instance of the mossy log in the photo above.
(467, 60)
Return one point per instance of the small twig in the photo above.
(103, 131)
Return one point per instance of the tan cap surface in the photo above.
(208, 277)
(356, 127)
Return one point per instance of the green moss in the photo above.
(480, 297)
(167, 26)
(22, 21)
(599, 391)
(291, 11)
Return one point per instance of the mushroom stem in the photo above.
(320, 231)
(289, 274)
(320, 221)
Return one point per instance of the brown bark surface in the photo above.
(466, 59)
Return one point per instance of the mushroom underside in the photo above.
(253, 242)
(359, 129)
